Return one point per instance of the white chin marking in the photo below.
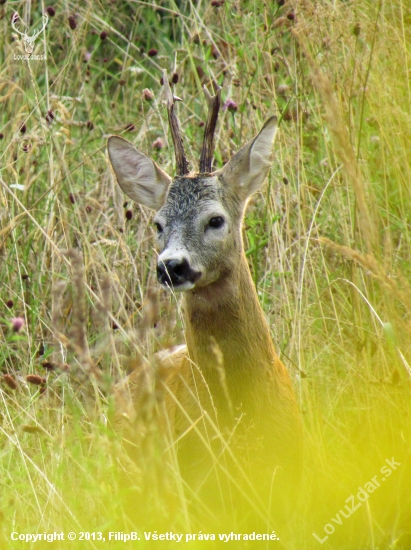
(179, 288)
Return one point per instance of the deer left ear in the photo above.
(247, 169)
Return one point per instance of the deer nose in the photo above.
(175, 272)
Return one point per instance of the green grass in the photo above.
(338, 74)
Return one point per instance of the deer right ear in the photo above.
(138, 176)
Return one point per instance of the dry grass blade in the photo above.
(368, 262)
(343, 147)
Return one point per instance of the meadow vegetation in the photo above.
(328, 240)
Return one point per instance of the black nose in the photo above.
(176, 272)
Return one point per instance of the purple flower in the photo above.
(17, 323)
(230, 105)
(158, 144)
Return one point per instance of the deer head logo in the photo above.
(27, 40)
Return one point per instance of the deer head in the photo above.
(199, 216)
(28, 41)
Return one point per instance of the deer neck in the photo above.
(225, 324)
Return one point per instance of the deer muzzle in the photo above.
(177, 273)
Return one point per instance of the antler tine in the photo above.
(15, 18)
(45, 21)
(207, 150)
(181, 160)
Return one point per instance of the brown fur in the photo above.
(225, 403)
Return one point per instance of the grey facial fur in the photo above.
(186, 234)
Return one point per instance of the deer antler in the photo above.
(36, 33)
(207, 150)
(181, 160)
(14, 19)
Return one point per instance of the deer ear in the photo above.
(138, 176)
(248, 168)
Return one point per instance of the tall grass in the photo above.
(328, 240)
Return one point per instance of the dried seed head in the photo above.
(10, 381)
(31, 429)
(49, 117)
(72, 22)
(147, 95)
(35, 379)
(357, 29)
(215, 52)
(282, 89)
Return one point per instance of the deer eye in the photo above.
(158, 227)
(216, 222)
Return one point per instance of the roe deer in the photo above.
(229, 374)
